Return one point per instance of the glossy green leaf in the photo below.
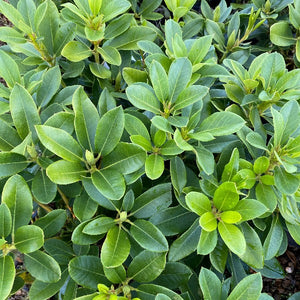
(11, 163)
(76, 51)
(9, 69)
(208, 221)
(250, 209)
(84, 207)
(112, 8)
(59, 142)
(29, 238)
(281, 34)
(226, 196)
(80, 238)
(115, 248)
(198, 203)
(149, 291)
(42, 266)
(9, 137)
(99, 225)
(207, 242)
(115, 275)
(178, 173)
(210, 284)
(7, 269)
(5, 221)
(230, 217)
(149, 236)
(146, 266)
(154, 166)
(110, 55)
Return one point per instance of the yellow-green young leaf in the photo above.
(65, 172)
(148, 236)
(5, 221)
(298, 50)
(42, 266)
(95, 6)
(208, 221)
(60, 142)
(248, 288)
(76, 51)
(141, 141)
(244, 179)
(29, 238)
(9, 70)
(146, 266)
(100, 71)
(261, 165)
(110, 183)
(198, 203)
(207, 242)
(87, 271)
(16, 195)
(159, 81)
(232, 237)
(110, 55)
(11, 163)
(116, 247)
(24, 111)
(109, 131)
(132, 75)
(230, 217)
(226, 196)
(7, 271)
(154, 166)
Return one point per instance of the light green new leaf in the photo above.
(281, 34)
(198, 203)
(11, 163)
(42, 266)
(59, 142)
(76, 51)
(87, 271)
(43, 189)
(86, 119)
(9, 70)
(180, 73)
(221, 123)
(29, 238)
(100, 70)
(249, 288)
(112, 8)
(210, 285)
(230, 217)
(208, 221)
(125, 158)
(110, 55)
(142, 96)
(24, 111)
(232, 237)
(154, 166)
(7, 271)
(5, 221)
(110, 183)
(65, 172)
(109, 131)
(146, 266)
(149, 236)
(16, 195)
(159, 81)
(226, 196)
(116, 247)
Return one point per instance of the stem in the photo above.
(66, 201)
(96, 53)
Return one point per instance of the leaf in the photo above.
(115, 275)
(59, 250)
(24, 111)
(129, 39)
(87, 271)
(112, 8)
(52, 223)
(146, 266)
(221, 123)
(226, 196)
(16, 195)
(5, 221)
(178, 174)
(210, 284)
(207, 242)
(42, 188)
(84, 207)
(189, 96)
(110, 55)
(208, 221)
(109, 131)
(86, 119)
(76, 51)
(230, 217)
(99, 225)
(233, 238)
(110, 183)
(159, 81)
(42, 266)
(65, 172)
(59, 142)
(250, 209)
(9, 137)
(116, 247)
(29, 238)
(180, 73)
(100, 70)
(149, 291)
(199, 49)
(9, 70)
(134, 126)
(142, 96)
(286, 183)
(154, 166)
(186, 243)
(125, 158)
(198, 203)
(249, 287)
(65, 34)
(281, 34)
(7, 270)
(155, 199)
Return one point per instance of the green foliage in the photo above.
(143, 140)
